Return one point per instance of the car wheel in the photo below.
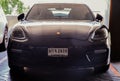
(15, 70)
(102, 69)
(3, 45)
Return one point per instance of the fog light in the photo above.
(100, 51)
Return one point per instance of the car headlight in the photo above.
(18, 34)
(99, 34)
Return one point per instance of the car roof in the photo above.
(59, 4)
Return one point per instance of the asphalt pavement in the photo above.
(113, 74)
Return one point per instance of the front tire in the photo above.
(2, 45)
(102, 69)
(15, 70)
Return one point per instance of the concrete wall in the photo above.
(12, 20)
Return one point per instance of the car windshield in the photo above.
(60, 11)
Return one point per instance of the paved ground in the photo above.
(113, 73)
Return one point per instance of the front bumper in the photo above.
(83, 55)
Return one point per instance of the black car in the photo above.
(59, 37)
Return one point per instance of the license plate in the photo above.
(58, 52)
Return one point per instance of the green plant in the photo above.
(12, 5)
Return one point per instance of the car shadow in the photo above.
(36, 77)
(81, 77)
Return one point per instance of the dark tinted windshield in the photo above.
(60, 11)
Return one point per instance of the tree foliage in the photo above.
(11, 5)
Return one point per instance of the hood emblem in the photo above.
(58, 33)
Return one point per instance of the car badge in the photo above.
(58, 33)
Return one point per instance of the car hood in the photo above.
(68, 29)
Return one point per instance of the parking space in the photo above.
(113, 74)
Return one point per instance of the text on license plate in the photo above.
(58, 52)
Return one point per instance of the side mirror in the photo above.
(21, 17)
(99, 18)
